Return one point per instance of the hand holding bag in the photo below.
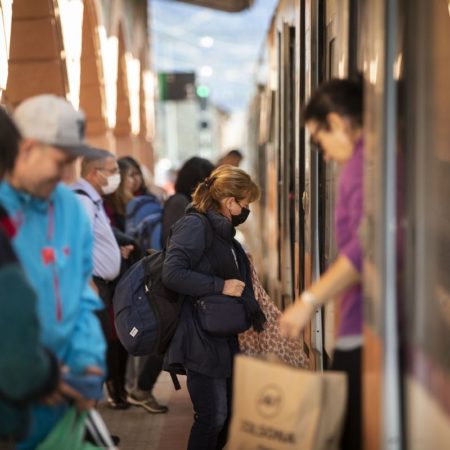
(282, 408)
(222, 315)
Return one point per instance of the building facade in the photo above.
(95, 53)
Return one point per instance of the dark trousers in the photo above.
(149, 369)
(116, 361)
(350, 362)
(211, 398)
(116, 356)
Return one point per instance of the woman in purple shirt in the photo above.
(333, 118)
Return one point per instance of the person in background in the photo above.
(143, 181)
(194, 271)
(333, 118)
(53, 242)
(100, 176)
(116, 202)
(145, 369)
(154, 189)
(193, 171)
(233, 157)
(28, 370)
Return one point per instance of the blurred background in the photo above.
(161, 80)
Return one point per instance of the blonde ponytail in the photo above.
(225, 181)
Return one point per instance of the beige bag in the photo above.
(251, 343)
(277, 407)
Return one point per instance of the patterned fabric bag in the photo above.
(269, 341)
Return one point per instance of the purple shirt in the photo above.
(348, 215)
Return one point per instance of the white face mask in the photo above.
(113, 184)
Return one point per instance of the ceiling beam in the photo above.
(222, 5)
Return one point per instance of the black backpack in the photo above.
(146, 313)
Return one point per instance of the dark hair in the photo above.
(344, 97)
(117, 201)
(142, 189)
(235, 152)
(193, 171)
(229, 157)
(9, 142)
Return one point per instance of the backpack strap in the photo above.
(85, 194)
(140, 203)
(208, 228)
(175, 381)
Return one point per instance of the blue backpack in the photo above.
(144, 221)
(146, 312)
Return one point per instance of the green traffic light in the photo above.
(202, 91)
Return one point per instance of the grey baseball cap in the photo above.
(53, 120)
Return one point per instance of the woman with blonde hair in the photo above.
(204, 260)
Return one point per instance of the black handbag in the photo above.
(222, 315)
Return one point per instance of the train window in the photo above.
(331, 57)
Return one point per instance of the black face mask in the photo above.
(236, 220)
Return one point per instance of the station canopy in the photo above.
(222, 5)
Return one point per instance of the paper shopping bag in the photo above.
(277, 407)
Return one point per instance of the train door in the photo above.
(300, 156)
(286, 170)
(313, 28)
(426, 290)
(381, 377)
(332, 51)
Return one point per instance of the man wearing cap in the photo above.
(54, 242)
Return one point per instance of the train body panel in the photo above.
(401, 50)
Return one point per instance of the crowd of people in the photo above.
(64, 248)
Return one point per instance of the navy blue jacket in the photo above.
(195, 268)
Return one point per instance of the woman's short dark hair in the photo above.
(341, 96)
(9, 142)
(193, 171)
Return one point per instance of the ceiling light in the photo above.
(206, 71)
(206, 42)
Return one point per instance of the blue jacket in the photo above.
(193, 270)
(54, 245)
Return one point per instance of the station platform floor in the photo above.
(140, 430)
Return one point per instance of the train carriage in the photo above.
(401, 50)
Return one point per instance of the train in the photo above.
(400, 49)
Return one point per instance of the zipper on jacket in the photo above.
(235, 258)
(56, 285)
